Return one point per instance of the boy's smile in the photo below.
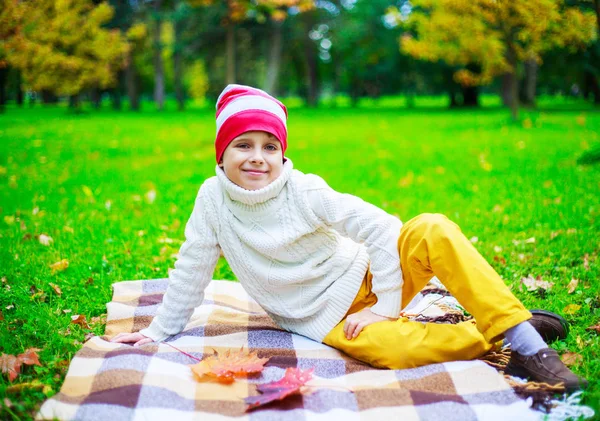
(253, 160)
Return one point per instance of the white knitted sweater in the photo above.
(298, 247)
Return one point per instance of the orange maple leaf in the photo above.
(12, 365)
(226, 366)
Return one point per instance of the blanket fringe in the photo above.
(541, 394)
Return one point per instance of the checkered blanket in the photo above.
(110, 381)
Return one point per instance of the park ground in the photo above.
(113, 191)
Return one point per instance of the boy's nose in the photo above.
(257, 157)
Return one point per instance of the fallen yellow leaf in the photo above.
(571, 309)
(59, 266)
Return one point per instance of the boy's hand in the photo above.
(356, 322)
(137, 338)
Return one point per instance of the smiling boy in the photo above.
(333, 267)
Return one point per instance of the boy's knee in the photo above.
(433, 220)
(435, 224)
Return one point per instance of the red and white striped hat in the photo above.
(242, 109)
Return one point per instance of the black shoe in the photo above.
(549, 325)
(545, 366)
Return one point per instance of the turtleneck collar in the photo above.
(253, 197)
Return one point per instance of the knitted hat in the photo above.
(243, 108)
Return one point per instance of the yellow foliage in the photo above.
(137, 32)
(196, 80)
(487, 33)
(60, 45)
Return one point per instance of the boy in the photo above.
(335, 268)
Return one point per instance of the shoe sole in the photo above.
(561, 320)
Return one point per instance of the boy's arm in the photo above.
(365, 223)
(193, 271)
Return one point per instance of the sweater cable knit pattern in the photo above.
(298, 247)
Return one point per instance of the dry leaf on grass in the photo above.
(291, 383)
(79, 319)
(45, 239)
(56, 288)
(98, 320)
(572, 285)
(533, 284)
(224, 367)
(12, 364)
(571, 309)
(33, 385)
(59, 266)
(571, 358)
(595, 328)
(586, 261)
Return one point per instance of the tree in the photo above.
(489, 38)
(61, 46)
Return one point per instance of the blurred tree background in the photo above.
(126, 51)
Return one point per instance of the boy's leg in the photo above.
(405, 344)
(430, 244)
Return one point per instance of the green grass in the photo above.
(83, 180)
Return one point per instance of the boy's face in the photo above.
(253, 160)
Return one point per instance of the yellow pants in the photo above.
(430, 244)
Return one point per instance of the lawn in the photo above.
(114, 191)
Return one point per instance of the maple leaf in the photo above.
(12, 365)
(30, 357)
(59, 266)
(79, 319)
(532, 283)
(292, 382)
(571, 358)
(226, 366)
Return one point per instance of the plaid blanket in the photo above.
(118, 382)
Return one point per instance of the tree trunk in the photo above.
(230, 51)
(453, 100)
(74, 103)
(178, 76)
(470, 96)
(48, 97)
(96, 98)
(505, 88)
(310, 61)
(274, 58)
(131, 83)
(115, 93)
(159, 73)
(510, 85)
(531, 69)
(20, 93)
(178, 26)
(3, 80)
(591, 85)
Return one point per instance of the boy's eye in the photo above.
(242, 145)
(271, 147)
